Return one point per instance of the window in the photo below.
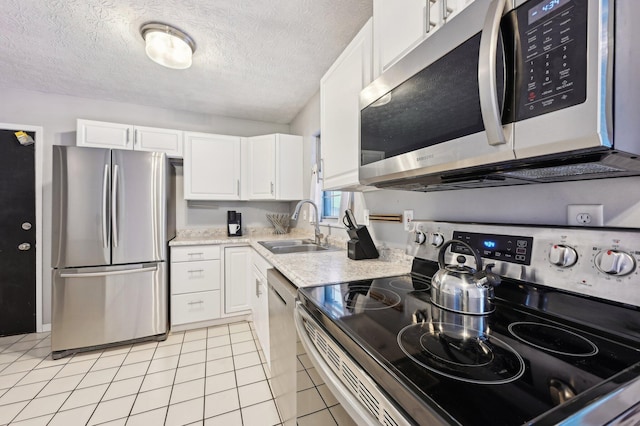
(329, 201)
(331, 204)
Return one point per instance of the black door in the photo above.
(17, 235)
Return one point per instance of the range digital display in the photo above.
(543, 9)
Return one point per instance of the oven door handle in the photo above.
(354, 407)
(488, 89)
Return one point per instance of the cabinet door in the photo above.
(340, 111)
(289, 164)
(158, 140)
(396, 29)
(100, 134)
(237, 272)
(211, 167)
(261, 167)
(260, 306)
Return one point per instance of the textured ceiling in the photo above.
(259, 60)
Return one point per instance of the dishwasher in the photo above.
(283, 337)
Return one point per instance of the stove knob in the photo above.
(436, 239)
(562, 256)
(615, 262)
(420, 238)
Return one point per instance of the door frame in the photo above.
(39, 164)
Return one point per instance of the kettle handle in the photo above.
(443, 249)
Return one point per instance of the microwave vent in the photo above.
(563, 171)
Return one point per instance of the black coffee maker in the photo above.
(234, 223)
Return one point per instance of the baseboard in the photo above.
(46, 328)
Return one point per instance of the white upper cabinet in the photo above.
(274, 167)
(158, 140)
(340, 111)
(211, 167)
(397, 29)
(100, 134)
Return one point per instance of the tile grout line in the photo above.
(49, 381)
(143, 376)
(173, 383)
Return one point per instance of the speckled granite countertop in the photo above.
(306, 269)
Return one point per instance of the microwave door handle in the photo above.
(488, 89)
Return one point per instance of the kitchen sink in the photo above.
(292, 246)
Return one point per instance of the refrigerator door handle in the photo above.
(114, 206)
(109, 273)
(105, 207)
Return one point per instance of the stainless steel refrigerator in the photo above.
(109, 248)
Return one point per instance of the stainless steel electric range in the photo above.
(561, 346)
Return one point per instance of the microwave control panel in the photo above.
(551, 73)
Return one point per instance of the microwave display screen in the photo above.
(544, 9)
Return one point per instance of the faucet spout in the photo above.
(296, 213)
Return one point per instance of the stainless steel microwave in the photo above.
(509, 92)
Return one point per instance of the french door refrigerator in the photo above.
(109, 251)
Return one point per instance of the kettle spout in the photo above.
(487, 278)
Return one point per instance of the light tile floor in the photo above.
(209, 376)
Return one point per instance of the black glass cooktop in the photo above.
(505, 368)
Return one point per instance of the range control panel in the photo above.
(551, 73)
(508, 248)
(600, 262)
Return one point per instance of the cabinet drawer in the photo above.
(187, 277)
(190, 253)
(194, 307)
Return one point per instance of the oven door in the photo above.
(442, 107)
(363, 399)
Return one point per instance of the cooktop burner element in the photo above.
(407, 285)
(553, 339)
(461, 353)
(363, 298)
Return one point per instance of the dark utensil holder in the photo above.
(361, 246)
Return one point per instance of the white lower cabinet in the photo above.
(237, 273)
(195, 284)
(260, 302)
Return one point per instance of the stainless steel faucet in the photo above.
(296, 212)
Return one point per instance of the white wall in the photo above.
(543, 204)
(57, 115)
(307, 125)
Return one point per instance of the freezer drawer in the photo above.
(104, 305)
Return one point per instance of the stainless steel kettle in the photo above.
(460, 288)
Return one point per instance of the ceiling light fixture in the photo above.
(167, 45)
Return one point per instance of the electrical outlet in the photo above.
(366, 217)
(407, 218)
(585, 215)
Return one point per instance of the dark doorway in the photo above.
(17, 235)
